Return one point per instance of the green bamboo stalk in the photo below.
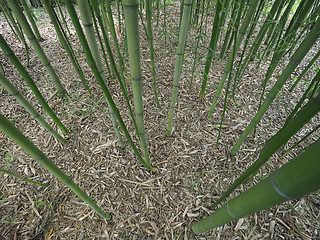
(99, 78)
(181, 12)
(257, 43)
(114, 68)
(179, 58)
(249, 13)
(96, 14)
(276, 32)
(286, 41)
(15, 27)
(225, 105)
(63, 18)
(297, 57)
(23, 178)
(302, 139)
(199, 36)
(10, 20)
(115, 39)
(229, 30)
(12, 132)
(30, 16)
(276, 22)
(150, 38)
(14, 60)
(119, 15)
(130, 8)
(158, 10)
(305, 70)
(315, 81)
(66, 45)
(112, 116)
(278, 140)
(35, 44)
(33, 112)
(88, 26)
(196, 12)
(165, 23)
(218, 18)
(293, 180)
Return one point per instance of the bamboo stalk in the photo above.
(114, 68)
(278, 140)
(130, 8)
(249, 13)
(295, 179)
(305, 70)
(88, 26)
(115, 39)
(294, 61)
(30, 16)
(65, 44)
(220, 7)
(12, 132)
(179, 57)
(9, 53)
(35, 44)
(23, 178)
(150, 38)
(96, 73)
(33, 112)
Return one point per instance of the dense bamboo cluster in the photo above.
(252, 31)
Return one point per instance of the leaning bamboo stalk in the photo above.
(257, 43)
(12, 132)
(278, 140)
(35, 44)
(97, 75)
(218, 18)
(10, 20)
(179, 58)
(198, 37)
(65, 44)
(96, 15)
(130, 8)
(88, 26)
(313, 85)
(150, 38)
(232, 56)
(275, 33)
(23, 178)
(302, 139)
(297, 57)
(14, 60)
(33, 112)
(293, 180)
(287, 39)
(15, 27)
(115, 39)
(29, 14)
(249, 13)
(305, 70)
(114, 68)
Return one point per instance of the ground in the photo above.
(191, 171)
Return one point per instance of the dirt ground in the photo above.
(192, 171)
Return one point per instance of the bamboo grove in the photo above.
(250, 30)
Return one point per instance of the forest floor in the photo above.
(192, 172)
